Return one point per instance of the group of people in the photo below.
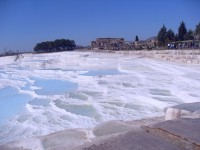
(184, 45)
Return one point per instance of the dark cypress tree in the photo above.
(170, 36)
(136, 38)
(162, 36)
(182, 31)
(197, 32)
(189, 35)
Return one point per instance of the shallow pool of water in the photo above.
(53, 86)
(11, 103)
(102, 72)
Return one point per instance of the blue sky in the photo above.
(23, 23)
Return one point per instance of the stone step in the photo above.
(185, 133)
(132, 140)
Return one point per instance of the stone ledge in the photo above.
(132, 140)
(185, 133)
(187, 110)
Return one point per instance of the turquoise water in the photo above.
(40, 102)
(53, 86)
(102, 72)
(12, 103)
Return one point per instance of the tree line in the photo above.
(55, 46)
(166, 36)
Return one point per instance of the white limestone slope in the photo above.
(98, 87)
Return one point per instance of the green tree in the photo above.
(54, 46)
(170, 36)
(162, 36)
(58, 45)
(72, 44)
(136, 38)
(197, 32)
(189, 35)
(182, 31)
(176, 37)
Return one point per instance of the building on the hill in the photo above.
(121, 44)
(108, 44)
